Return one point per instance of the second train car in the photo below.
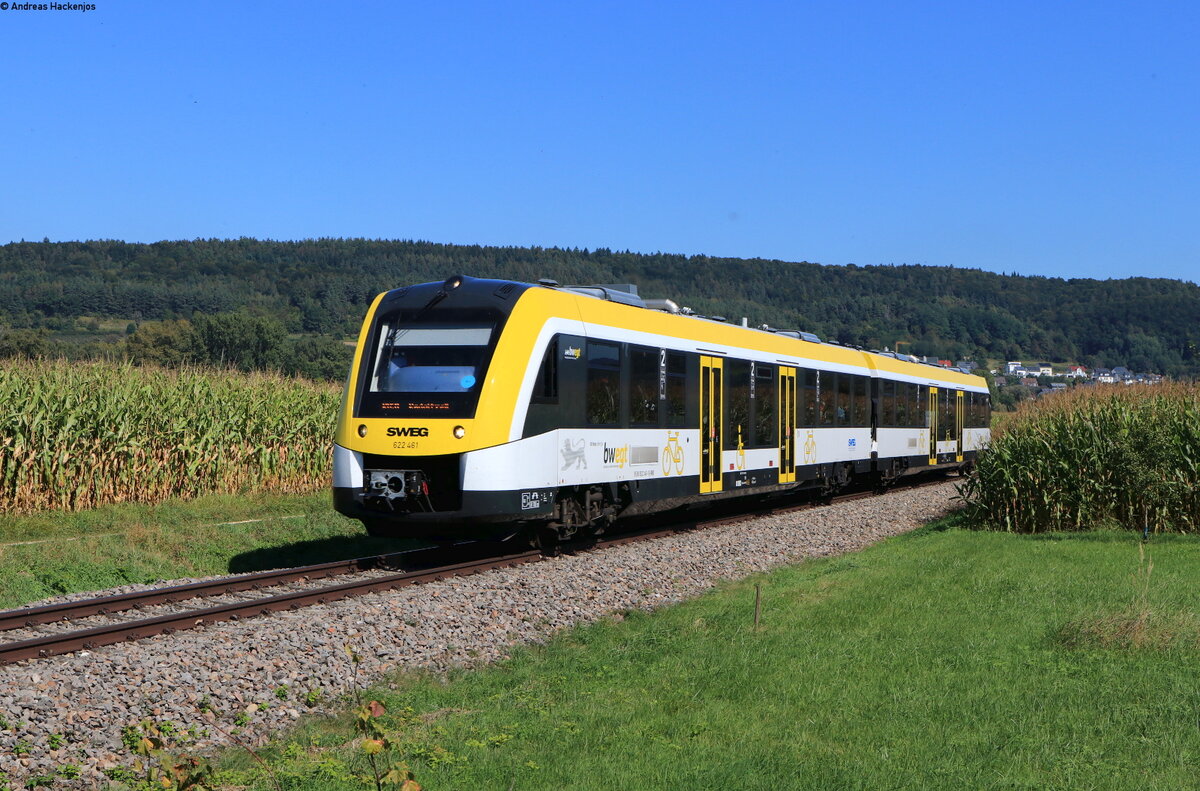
(485, 407)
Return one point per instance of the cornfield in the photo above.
(1094, 457)
(79, 435)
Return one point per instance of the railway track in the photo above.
(378, 574)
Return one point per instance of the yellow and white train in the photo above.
(488, 407)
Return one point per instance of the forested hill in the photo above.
(324, 286)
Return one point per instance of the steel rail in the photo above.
(87, 639)
(52, 613)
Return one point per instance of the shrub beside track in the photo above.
(81, 435)
(1094, 457)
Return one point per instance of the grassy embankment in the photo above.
(48, 554)
(112, 474)
(941, 659)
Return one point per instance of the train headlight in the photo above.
(459, 432)
(362, 430)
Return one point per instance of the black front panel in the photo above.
(441, 474)
(429, 348)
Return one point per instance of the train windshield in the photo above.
(427, 365)
(430, 358)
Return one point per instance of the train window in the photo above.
(860, 404)
(918, 406)
(808, 398)
(946, 419)
(737, 394)
(765, 429)
(826, 397)
(545, 387)
(603, 383)
(643, 386)
(844, 390)
(980, 409)
(676, 389)
(887, 403)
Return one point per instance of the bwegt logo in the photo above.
(408, 431)
(617, 456)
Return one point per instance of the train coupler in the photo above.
(400, 490)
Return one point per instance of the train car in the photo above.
(487, 408)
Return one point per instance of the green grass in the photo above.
(947, 658)
(117, 545)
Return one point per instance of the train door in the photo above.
(787, 425)
(931, 420)
(958, 425)
(711, 409)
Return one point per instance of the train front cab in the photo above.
(430, 364)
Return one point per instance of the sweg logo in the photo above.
(408, 431)
(617, 456)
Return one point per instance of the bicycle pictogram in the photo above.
(672, 454)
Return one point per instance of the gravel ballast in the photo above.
(90, 696)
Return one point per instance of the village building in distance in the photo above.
(1118, 375)
(1018, 380)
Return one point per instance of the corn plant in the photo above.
(79, 435)
(1116, 456)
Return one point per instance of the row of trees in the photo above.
(322, 287)
(238, 340)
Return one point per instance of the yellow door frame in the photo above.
(787, 424)
(933, 425)
(958, 425)
(711, 436)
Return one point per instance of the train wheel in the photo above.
(546, 540)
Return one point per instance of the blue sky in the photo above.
(1058, 139)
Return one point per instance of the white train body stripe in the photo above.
(895, 442)
(569, 457)
(976, 438)
(347, 468)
